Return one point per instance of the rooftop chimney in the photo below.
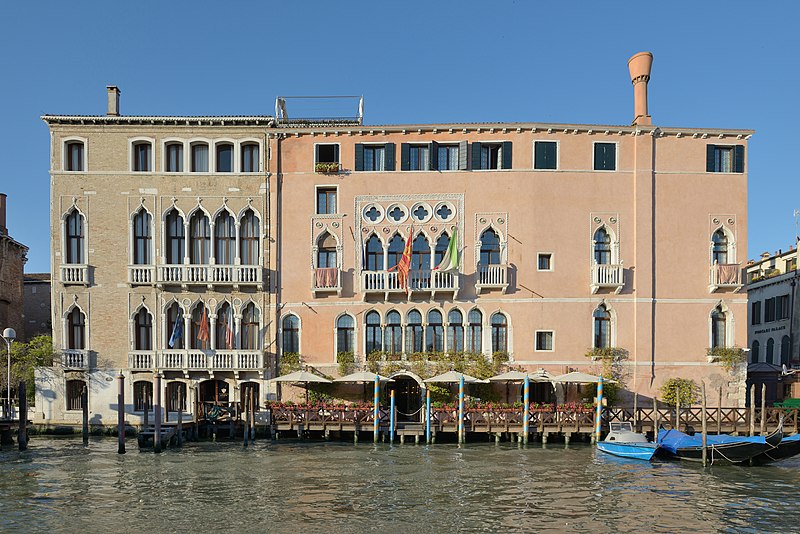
(3, 229)
(639, 66)
(113, 100)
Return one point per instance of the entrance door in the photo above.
(407, 398)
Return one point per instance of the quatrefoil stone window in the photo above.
(397, 214)
(373, 214)
(421, 213)
(444, 212)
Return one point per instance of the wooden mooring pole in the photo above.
(678, 410)
(157, 412)
(763, 409)
(246, 430)
(85, 408)
(121, 414)
(655, 418)
(719, 412)
(753, 410)
(252, 415)
(705, 427)
(179, 402)
(22, 433)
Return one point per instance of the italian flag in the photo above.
(449, 262)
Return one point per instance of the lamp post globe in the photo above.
(9, 335)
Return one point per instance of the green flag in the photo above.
(450, 260)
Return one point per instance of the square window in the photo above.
(725, 158)
(605, 156)
(418, 158)
(544, 340)
(374, 157)
(447, 157)
(326, 200)
(326, 158)
(545, 155)
(490, 156)
(141, 157)
(545, 261)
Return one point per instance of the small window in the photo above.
(75, 389)
(415, 157)
(326, 200)
(544, 340)
(724, 158)
(142, 395)
(142, 154)
(491, 156)
(74, 156)
(250, 157)
(174, 161)
(545, 155)
(328, 153)
(782, 307)
(199, 157)
(755, 312)
(545, 262)
(224, 156)
(605, 156)
(447, 157)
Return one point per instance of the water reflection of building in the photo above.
(570, 236)
(773, 320)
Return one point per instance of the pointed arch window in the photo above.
(75, 238)
(200, 328)
(396, 247)
(175, 238)
(474, 332)
(719, 330)
(249, 237)
(455, 331)
(770, 356)
(225, 328)
(394, 333)
(143, 330)
(420, 253)
(142, 238)
(602, 327)
(326, 251)
(754, 350)
(76, 329)
(441, 248)
(345, 331)
(199, 239)
(602, 247)
(719, 248)
(499, 333)
(224, 239)
(176, 336)
(250, 327)
(291, 334)
(374, 261)
(434, 332)
(490, 248)
(374, 334)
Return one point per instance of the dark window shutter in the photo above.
(506, 154)
(433, 156)
(539, 155)
(462, 156)
(405, 157)
(611, 157)
(598, 156)
(388, 157)
(738, 158)
(359, 157)
(710, 151)
(476, 156)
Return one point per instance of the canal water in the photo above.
(59, 485)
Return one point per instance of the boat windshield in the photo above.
(621, 426)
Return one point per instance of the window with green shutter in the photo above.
(489, 156)
(375, 157)
(605, 156)
(545, 155)
(724, 158)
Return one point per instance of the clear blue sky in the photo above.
(722, 64)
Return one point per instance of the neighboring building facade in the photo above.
(772, 291)
(13, 256)
(36, 287)
(571, 236)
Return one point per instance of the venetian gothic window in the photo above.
(75, 238)
(291, 334)
(602, 327)
(249, 236)
(455, 331)
(225, 239)
(719, 247)
(142, 238)
(719, 324)
(199, 239)
(490, 248)
(374, 341)
(143, 330)
(602, 247)
(474, 332)
(374, 252)
(345, 330)
(225, 328)
(394, 333)
(175, 326)
(434, 332)
(76, 329)
(499, 333)
(250, 327)
(175, 237)
(414, 340)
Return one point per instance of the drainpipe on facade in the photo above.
(278, 228)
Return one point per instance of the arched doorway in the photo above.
(407, 397)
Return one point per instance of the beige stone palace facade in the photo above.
(262, 235)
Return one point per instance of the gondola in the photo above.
(788, 447)
(720, 448)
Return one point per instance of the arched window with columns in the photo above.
(434, 332)
(719, 248)
(225, 326)
(719, 330)
(602, 327)
(249, 238)
(291, 334)
(394, 333)
(414, 333)
(143, 330)
(250, 327)
(345, 334)
(175, 237)
(199, 239)
(499, 333)
(455, 331)
(602, 247)
(142, 238)
(374, 252)
(374, 340)
(76, 329)
(475, 331)
(175, 332)
(224, 239)
(74, 252)
(490, 248)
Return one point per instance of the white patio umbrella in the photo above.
(453, 377)
(302, 377)
(362, 377)
(578, 377)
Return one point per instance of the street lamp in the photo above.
(9, 335)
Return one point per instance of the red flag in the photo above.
(404, 265)
(202, 334)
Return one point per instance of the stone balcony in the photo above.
(73, 274)
(489, 277)
(198, 275)
(209, 360)
(726, 276)
(326, 280)
(607, 276)
(75, 359)
(419, 281)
